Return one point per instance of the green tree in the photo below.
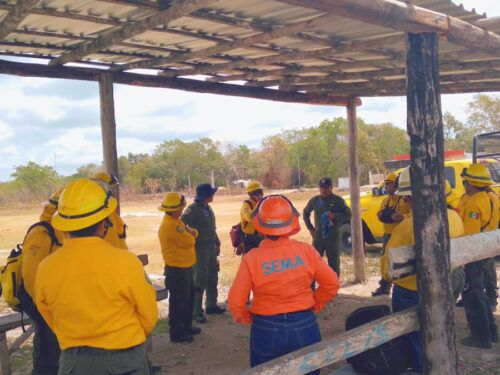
(274, 159)
(88, 170)
(484, 113)
(457, 135)
(240, 162)
(37, 181)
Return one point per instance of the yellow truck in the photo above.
(370, 201)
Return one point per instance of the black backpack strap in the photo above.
(124, 234)
(250, 203)
(491, 215)
(50, 230)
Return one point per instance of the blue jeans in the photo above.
(403, 299)
(275, 335)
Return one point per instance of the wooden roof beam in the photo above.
(178, 9)
(409, 18)
(384, 85)
(144, 80)
(246, 42)
(69, 15)
(491, 23)
(445, 68)
(286, 57)
(144, 4)
(16, 15)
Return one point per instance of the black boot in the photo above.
(384, 288)
(181, 338)
(476, 343)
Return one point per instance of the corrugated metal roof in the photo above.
(308, 58)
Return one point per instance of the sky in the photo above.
(56, 122)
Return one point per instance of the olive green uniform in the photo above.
(202, 218)
(87, 360)
(331, 244)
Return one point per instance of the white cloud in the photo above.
(220, 117)
(134, 145)
(490, 7)
(75, 147)
(5, 132)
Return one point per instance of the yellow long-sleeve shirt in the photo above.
(92, 294)
(177, 244)
(399, 204)
(477, 213)
(36, 247)
(403, 235)
(246, 217)
(117, 234)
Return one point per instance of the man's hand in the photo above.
(331, 215)
(190, 230)
(312, 231)
(397, 217)
(379, 214)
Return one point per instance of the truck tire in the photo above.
(345, 238)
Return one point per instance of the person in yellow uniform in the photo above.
(41, 241)
(391, 213)
(95, 297)
(117, 232)
(251, 238)
(405, 294)
(177, 242)
(480, 213)
(491, 286)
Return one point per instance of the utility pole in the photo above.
(213, 180)
(189, 184)
(298, 163)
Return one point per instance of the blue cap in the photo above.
(325, 182)
(204, 191)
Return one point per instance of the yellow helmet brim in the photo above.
(170, 209)
(70, 224)
(478, 183)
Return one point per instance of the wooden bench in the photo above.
(161, 292)
(7, 323)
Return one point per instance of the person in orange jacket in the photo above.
(279, 273)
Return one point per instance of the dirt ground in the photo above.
(222, 347)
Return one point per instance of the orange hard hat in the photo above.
(276, 216)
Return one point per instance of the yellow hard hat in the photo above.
(110, 179)
(404, 185)
(391, 177)
(172, 202)
(253, 186)
(54, 198)
(82, 204)
(478, 175)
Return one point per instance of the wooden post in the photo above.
(358, 251)
(4, 354)
(432, 243)
(108, 129)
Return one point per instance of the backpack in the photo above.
(236, 234)
(390, 358)
(11, 272)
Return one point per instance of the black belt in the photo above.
(288, 313)
(97, 351)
